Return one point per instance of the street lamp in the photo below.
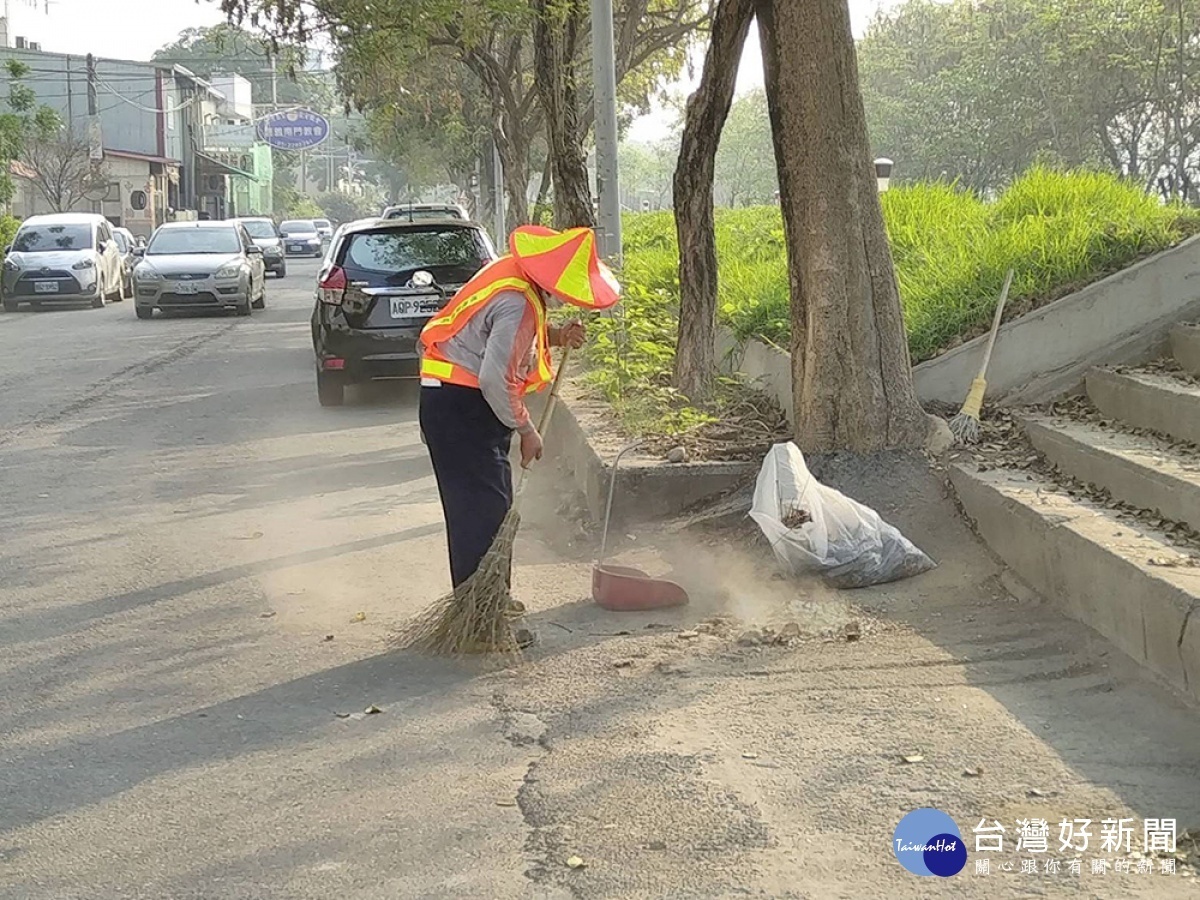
(883, 173)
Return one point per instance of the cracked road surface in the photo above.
(187, 541)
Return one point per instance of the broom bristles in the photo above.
(965, 428)
(474, 617)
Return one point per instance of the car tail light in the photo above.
(333, 364)
(333, 288)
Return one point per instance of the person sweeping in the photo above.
(482, 355)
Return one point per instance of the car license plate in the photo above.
(297, 246)
(185, 288)
(45, 287)
(412, 307)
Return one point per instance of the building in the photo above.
(174, 146)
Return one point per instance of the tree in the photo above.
(852, 376)
(745, 172)
(23, 122)
(61, 169)
(978, 92)
(230, 49)
(646, 170)
(492, 38)
(695, 351)
(558, 28)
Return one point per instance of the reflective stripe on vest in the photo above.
(502, 275)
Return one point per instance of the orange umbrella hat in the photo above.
(565, 263)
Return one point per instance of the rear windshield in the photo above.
(324, 223)
(424, 215)
(45, 238)
(171, 241)
(451, 255)
(260, 229)
(297, 227)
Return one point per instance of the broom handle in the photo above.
(987, 354)
(544, 421)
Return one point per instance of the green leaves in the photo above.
(979, 92)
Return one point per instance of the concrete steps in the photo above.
(1139, 470)
(1124, 562)
(1095, 567)
(1185, 347)
(1148, 400)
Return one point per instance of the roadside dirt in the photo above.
(766, 739)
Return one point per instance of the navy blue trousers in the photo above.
(469, 448)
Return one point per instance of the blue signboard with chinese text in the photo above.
(295, 129)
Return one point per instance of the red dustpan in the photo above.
(621, 588)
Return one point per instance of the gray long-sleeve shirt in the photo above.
(498, 345)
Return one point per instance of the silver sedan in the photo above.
(200, 265)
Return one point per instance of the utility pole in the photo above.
(274, 82)
(95, 137)
(499, 226)
(607, 180)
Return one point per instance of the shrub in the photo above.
(8, 229)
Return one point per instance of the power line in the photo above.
(148, 109)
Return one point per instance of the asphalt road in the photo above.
(187, 542)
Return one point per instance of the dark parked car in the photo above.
(379, 285)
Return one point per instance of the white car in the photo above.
(301, 238)
(420, 212)
(324, 228)
(63, 258)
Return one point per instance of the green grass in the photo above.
(1057, 230)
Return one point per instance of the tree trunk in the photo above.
(543, 194)
(514, 160)
(707, 109)
(556, 34)
(852, 376)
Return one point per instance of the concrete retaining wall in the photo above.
(1126, 318)
(764, 363)
(584, 441)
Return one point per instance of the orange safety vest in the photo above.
(502, 275)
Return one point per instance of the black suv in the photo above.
(379, 285)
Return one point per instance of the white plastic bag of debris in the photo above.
(814, 528)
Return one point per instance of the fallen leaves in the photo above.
(912, 758)
(576, 862)
(976, 772)
(1174, 562)
(371, 710)
(359, 617)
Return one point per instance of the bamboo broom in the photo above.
(476, 617)
(965, 426)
